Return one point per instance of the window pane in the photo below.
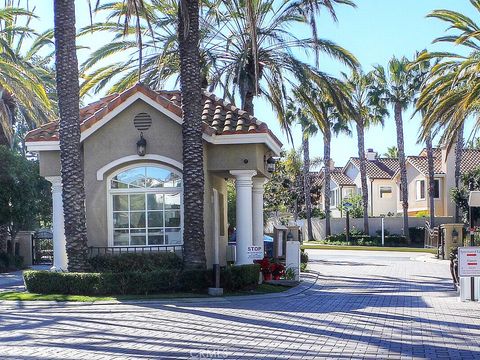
(133, 176)
(137, 219)
(155, 219)
(155, 237)
(120, 238)
(138, 237)
(120, 203)
(422, 189)
(173, 236)
(172, 218)
(155, 201)
(436, 189)
(120, 220)
(385, 192)
(172, 202)
(118, 185)
(137, 202)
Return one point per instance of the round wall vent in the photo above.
(142, 121)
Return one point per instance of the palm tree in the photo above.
(296, 114)
(392, 152)
(73, 193)
(25, 80)
(396, 86)
(365, 114)
(327, 107)
(193, 176)
(236, 58)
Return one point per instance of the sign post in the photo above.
(347, 205)
(469, 266)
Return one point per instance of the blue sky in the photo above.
(374, 32)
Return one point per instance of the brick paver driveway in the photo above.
(364, 305)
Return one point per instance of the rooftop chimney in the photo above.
(332, 165)
(371, 155)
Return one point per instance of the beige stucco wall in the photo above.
(49, 163)
(414, 205)
(382, 206)
(113, 141)
(223, 158)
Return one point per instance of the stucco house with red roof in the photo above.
(444, 169)
(134, 196)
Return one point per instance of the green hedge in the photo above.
(240, 277)
(9, 262)
(138, 283)
(365, 240)
(135, 262)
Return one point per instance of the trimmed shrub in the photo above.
(135, 262)
(9, 262)
(240, 277)
(364, 240)
(136, 282)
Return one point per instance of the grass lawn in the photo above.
(317, 245)
(25, 296)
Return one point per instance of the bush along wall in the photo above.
(9, 262)
(138, 282)
(365, 240)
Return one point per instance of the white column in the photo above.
(243, 184)
(59, 243)
(257, 207)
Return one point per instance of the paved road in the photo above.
(365, 305)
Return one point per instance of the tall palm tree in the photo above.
(193, 176)
(297, 114)
(24, 79)
(73, 193)
(396, 86)
(327, 107)
(366, 113)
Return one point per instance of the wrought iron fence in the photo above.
(117, 250)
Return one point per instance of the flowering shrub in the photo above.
(264, 266)
(277, 270)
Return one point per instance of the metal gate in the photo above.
(42, 247)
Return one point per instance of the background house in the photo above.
(444, 169)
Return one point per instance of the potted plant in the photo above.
(278, 270)
(265, 269)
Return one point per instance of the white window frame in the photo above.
(385, 187)
(333, 198)
(418, 190)
(166, 190)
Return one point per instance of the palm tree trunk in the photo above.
(248, 103)
(431, 180)
(306, 186)
(363, 173)
(3, 238)
(327, 138)
(458, 163)
(193, 175)
(70, 149)
(403, 168)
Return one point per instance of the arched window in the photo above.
(145, 207)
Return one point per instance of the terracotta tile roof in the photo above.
(218, 117)
(380, 168)
(337, 176)
(470, 161)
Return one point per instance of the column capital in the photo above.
(258, 183)
(56, 182)
(243, 174)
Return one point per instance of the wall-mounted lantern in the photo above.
(141, 146)
(270, 164)
(454, 235)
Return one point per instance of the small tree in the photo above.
(25, 201)
(356, 210)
